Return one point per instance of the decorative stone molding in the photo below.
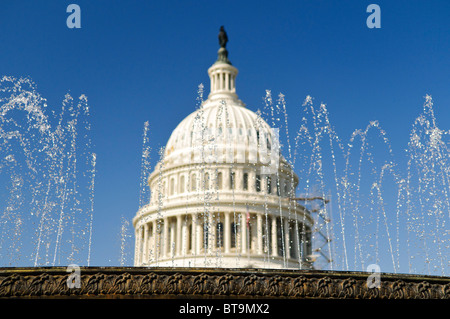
(105, 282)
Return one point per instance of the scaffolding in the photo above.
(321, 256)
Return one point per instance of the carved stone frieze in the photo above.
(105, 282)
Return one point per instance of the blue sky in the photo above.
(143, 60)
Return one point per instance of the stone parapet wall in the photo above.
(134, 282)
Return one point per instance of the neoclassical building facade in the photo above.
(221, 195)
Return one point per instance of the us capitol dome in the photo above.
(221, 196)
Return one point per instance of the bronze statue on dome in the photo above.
(223, 38)
(223, 53)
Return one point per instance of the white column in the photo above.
(244, 232)
(211, 233)
(145, 252)
(227, 232)
(237, 217)
(226, 178)
(158, 241)
(197, 235)
(179, 235)
(238, 179)
(259, 234)
(173, 238)
(166, 238)
(151, 240)
(287, 252)
(274, 237)
(263, 181)
(192, 234)
(154, 239)
(252, 181)
(227, 81)
(184, 237)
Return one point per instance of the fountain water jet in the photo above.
(48, 169)
(375, 199)
(383, 205)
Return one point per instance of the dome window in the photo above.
(269, 184)
(245, 181)
(258, 183)
(232, 179)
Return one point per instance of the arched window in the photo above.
(232, 179)
(258, 183)
(269, 184)
(245, 181)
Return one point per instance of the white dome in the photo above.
(222, 191)
(217, 130)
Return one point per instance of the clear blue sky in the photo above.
(143, 60)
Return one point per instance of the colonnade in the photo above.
(223, 80)
(244, 233)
